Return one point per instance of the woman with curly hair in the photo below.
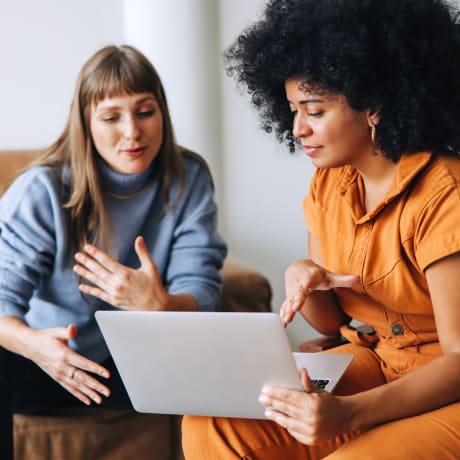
(371, 91)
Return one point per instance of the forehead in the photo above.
(298, 88)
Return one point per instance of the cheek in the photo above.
(156, 131)
(102, 136)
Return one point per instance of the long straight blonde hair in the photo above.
(112, 71)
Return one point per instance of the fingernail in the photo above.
(264, 399)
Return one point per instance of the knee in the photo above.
(194, 435)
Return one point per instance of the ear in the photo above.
(373, 117)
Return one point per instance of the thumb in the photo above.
(143, 253)
(307, 384)
(63, 333)
(345, 281)
(72, 330)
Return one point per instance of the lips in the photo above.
(135, 151)
(310, 150)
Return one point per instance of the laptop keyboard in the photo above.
(321, 383)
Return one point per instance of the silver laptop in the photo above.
(204, 363)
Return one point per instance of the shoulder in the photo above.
(432, 210)
(37, 185)
(195, 166)
(447, 168)
(441, 177)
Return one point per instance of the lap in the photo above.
(28, 389)
(364, 372)
(431, 435)
(428, 436)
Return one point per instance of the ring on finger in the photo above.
(73, 372)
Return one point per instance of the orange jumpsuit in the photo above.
(416, 224)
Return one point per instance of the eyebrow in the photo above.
(310, 101)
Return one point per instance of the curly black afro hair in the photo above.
(398, 57)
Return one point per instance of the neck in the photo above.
(377, 175)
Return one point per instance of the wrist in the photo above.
(16, 336)
(356, 411)
(25, 341)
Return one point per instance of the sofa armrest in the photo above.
(364, 333)
(321, 344)
(11, 164)
(244, 289)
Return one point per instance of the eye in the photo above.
(316, 114)
(147, 113)
(110, 118)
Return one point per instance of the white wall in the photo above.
(264, 184)
(259, 184)
(43, 44)
(181, 38)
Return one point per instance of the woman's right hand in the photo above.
(49, 349)
(304, 276)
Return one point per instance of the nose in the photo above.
(300, 127)
(131, 128)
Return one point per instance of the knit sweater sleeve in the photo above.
(27, 237)
(198, 250)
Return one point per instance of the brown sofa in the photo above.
(102, 434)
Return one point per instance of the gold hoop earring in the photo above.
(373, 133)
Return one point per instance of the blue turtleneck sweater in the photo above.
(37, 282)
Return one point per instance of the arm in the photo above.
(27, 255)
(309, 289)
(314, 415)
(430, 386)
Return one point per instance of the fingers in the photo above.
(81, 383)
(90, 269)
(304, 276)
(99, 293)
(80, 362)
(84, 387)
(288, 401)
(281, 400)
(88, 386)
(102, 258)
(293, 304)
(73, 371)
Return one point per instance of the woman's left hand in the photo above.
(310, 417)
(121, 286)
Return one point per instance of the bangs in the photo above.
(113, 79)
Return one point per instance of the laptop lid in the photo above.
(205, 363)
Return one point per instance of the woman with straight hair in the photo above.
(113, 215)
(370, 90)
